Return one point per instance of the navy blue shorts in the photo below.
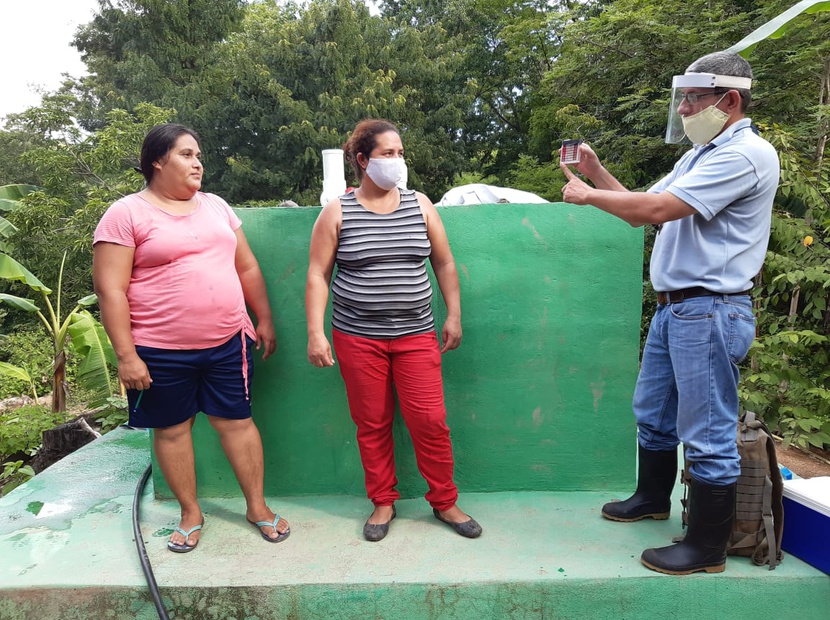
(186, 382)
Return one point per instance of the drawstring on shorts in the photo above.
(245, 363)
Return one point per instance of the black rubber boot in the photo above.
(655, 481)
(711, 512)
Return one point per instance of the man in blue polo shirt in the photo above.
(713, 212)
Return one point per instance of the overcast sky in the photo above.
(35, 50)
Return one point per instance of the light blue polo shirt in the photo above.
(731, 183)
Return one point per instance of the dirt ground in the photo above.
(803, 464)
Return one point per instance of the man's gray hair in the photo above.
(725, 63)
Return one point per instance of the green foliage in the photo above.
(10, 196)
(90, 340)
(13, 144)
(484, 90)
(114, 414)
(27, 348)
(506, 49)
(81, 175)
(269, 88)
(96, 357)
(778, 26)
(792, 76)
(10, 468)
(152, 46)
(13, 475)
(788, 381)
(294, 82)
(21, 433)
(21, 429)
(545, 180)
(20, 374)
(611, 83)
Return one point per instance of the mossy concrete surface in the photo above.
(67, 552)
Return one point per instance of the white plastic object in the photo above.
(334, 177)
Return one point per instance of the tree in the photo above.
(793, 73)
(13, 144)
(480, 88)
(81, 175)
(611, 83)
(140, 50)
(295, 81)
(788, 382)
(789, 378)
(778, 25)
(10, 196)
(507, 47)
(283, 83)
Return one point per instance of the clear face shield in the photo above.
(680, 83)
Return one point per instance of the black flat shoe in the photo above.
(468, 529)
(374, 532)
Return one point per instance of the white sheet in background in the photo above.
(479, 193)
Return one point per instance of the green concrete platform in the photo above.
(67, 551)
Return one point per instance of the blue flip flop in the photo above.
(279, 538)
(184, 547)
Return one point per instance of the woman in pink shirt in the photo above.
(173, 273)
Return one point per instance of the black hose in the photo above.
(142, 550)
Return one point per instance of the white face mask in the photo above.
(386, 172)
(706, 124)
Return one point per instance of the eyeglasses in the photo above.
(693, 98)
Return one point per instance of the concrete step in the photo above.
(67, 551)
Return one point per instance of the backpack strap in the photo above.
(772, 509)
(776, 503)
(685, 480)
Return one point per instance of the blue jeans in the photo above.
(687, 390)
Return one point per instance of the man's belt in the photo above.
(673, 297)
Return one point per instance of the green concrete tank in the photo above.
(538, 395)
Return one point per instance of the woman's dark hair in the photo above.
(158, 142)
(364, 140)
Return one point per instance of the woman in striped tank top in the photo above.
(380, 236)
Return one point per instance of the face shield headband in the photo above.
(674, 127)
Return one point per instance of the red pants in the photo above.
(413, 364)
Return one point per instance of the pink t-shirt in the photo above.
(184, 290)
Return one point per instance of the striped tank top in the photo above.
(381, 289)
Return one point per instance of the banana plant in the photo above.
(92, 346)
(20, 373)
(10, 195)
(777, 27)
(88, 339)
